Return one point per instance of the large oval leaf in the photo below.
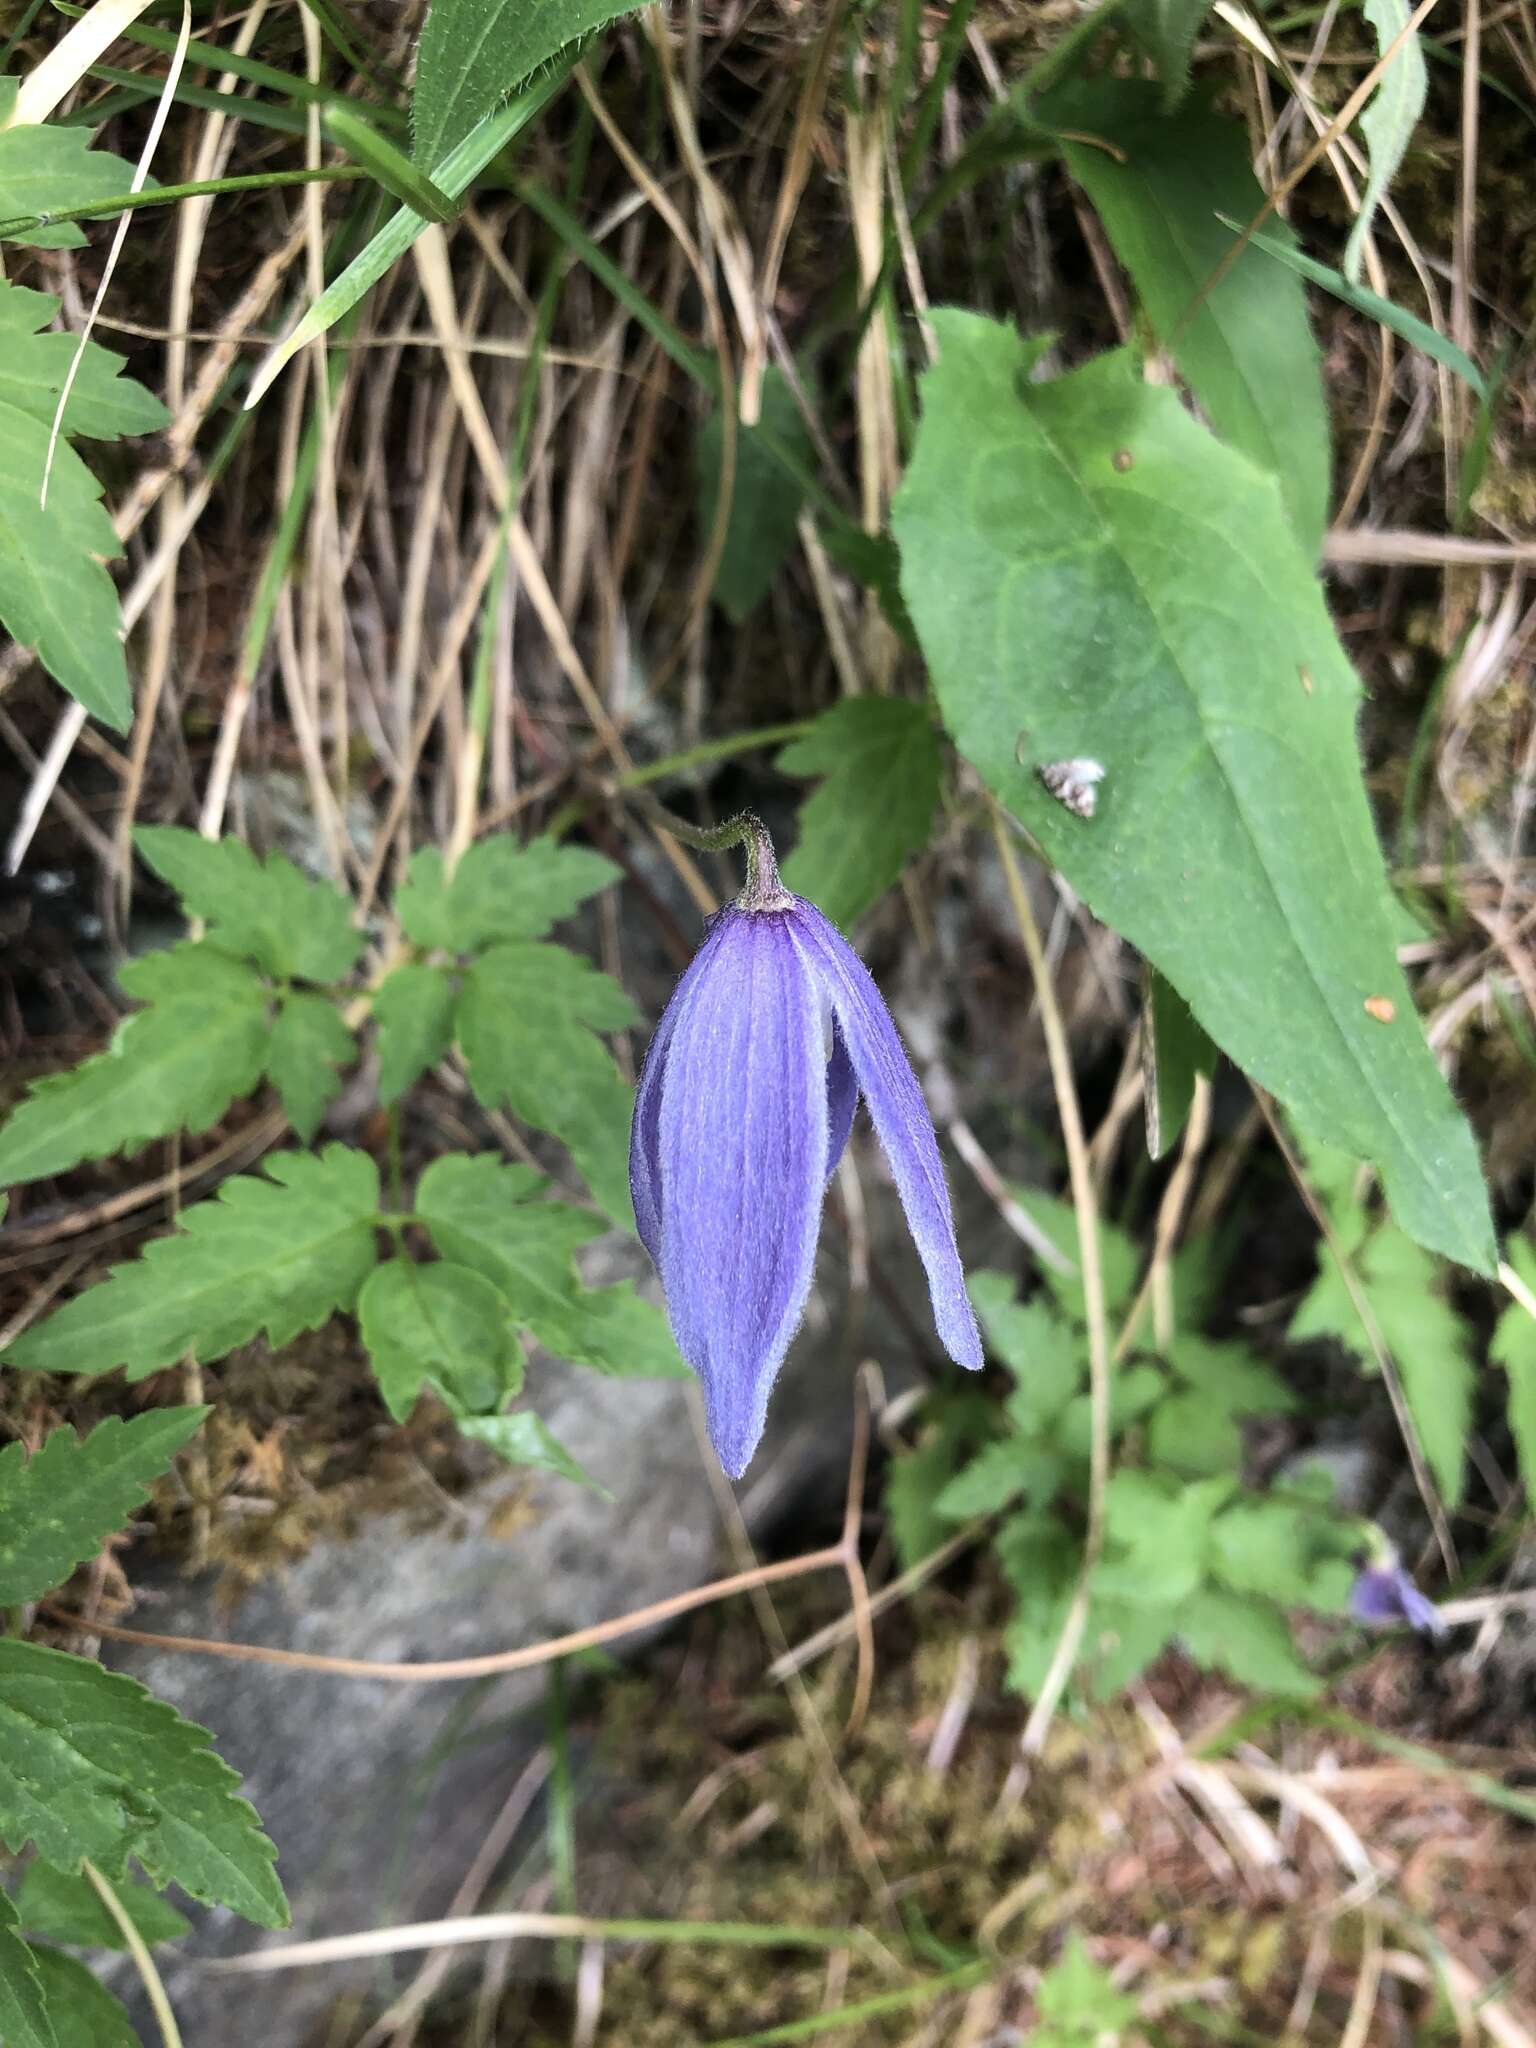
(1091, 574)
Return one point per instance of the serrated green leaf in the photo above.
(1389, 119)
(766, 498)
(1119, 1256)
(1513, 1346)
(1174, 1053)
(1044, 1354)
(1093, 575)
(413, 1009)
(519, 1022)
(1133, 1390)
(82, 2010)
(1282, 1552)
(524, 1439)
(499, 890)
(309, 1043)
(874, 811)
(1427, 1340)
(267, 910)
(1228, 1377)
(103, 404)
(1077, 1997)
(55, 596)
(63, 1906)
(46, 167)
(24, 2018)
(475, 1207)
(473, 53)
(442, 1323)
(1244, 344)
(1245, 1638)
(915, 1480)
(1188, 1434)
(1157, 1535)
(59, 1506)
(1005, 1471)
(93, 1765)
(278, 1252)
(175, 1066)
(1166, 30)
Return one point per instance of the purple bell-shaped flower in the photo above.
(744, 1106)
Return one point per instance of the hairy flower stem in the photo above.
(764, 890)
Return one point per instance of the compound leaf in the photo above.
(59, 1505)
(880, 757)
(267, 910)
(499, 890)
(309, 1043)
(34, 362)
(1093, 575)
(278, 1251)
(175, 1066)
(442, 1323)
(48, 167)
(520, 1023)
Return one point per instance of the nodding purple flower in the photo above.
(744, 1107)
(1383, 1593)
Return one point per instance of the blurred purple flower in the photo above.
(1383, 1593)
(745, 1103)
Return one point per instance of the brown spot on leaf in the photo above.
(1123, 460)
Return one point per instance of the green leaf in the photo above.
(413, 1009)
(55, 596)
(47, 167)
(82, 2010)
(767, 496)
(499, 890)
(1513, 1346)
(1078, 2000)
(93, 1765)
(1283, 1552)
(1119, 1256)
(519, 1023)
(1427, 1340)
(1245, 345)
(1186, 1433)
(524, 1439)
(279, 1253)
(267, 910)
(1225, 1632)
(309, 1043)
(103, 404)
(1228, 1378)
(59, 1506)
(175, 1066)
(874, 811)
(441, 1323)
(1166, 30)
(389, 169)
(24, 2016)
(1389, 119)
(1003, 1472)
(1044, 1354)
(1174, 1051)
(478, 1213)
(1172, 631)
(473, 53)
(1157, 1535)
(915, 1481)
(1416, 332)
(63, 1906)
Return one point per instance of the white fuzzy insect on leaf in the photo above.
(1074, 783)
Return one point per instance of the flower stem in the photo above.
(144, 1962)
(764, 890)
